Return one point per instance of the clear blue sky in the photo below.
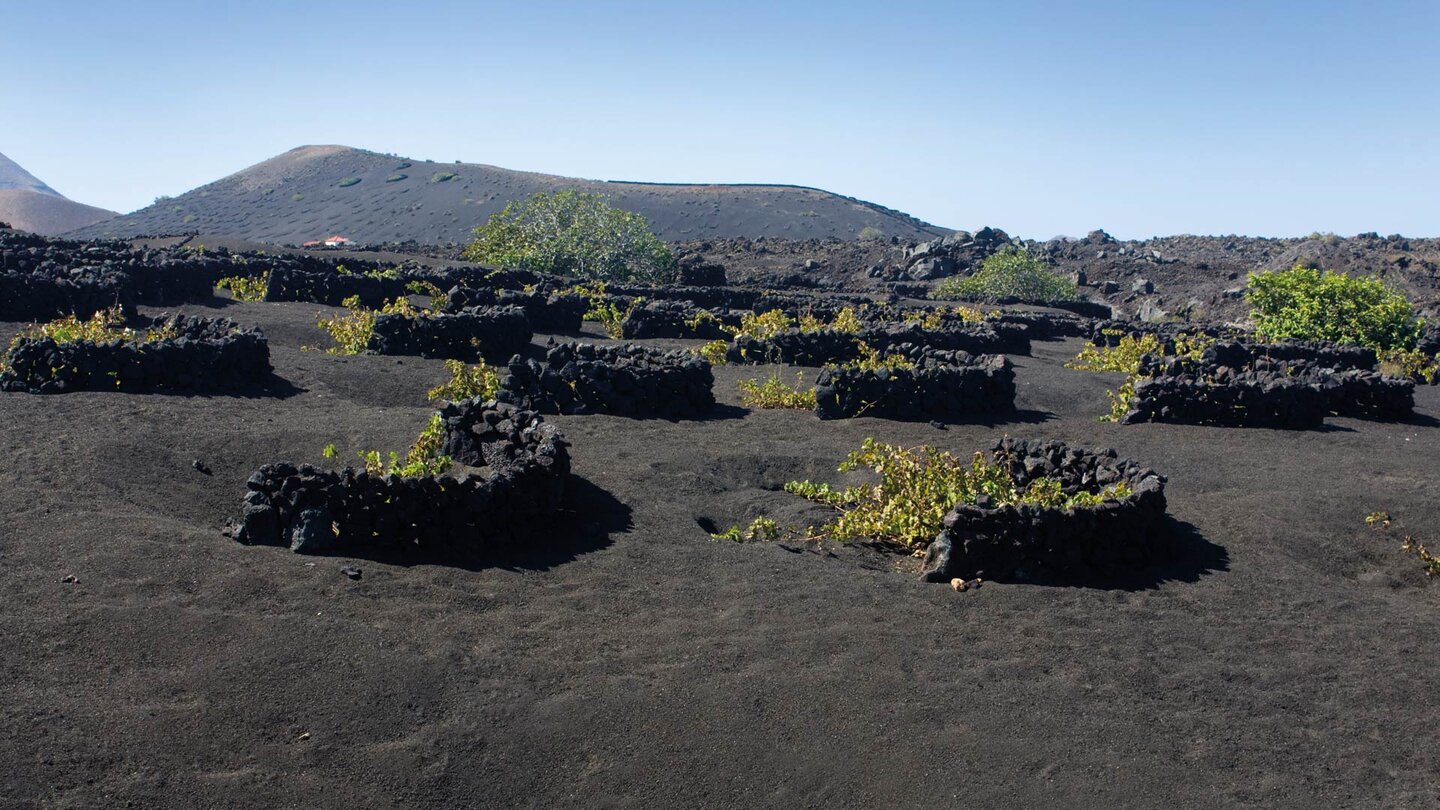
(1042, 118)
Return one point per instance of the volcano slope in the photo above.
(1284, 660)
(317, 191)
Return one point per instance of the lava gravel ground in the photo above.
(1286, 659)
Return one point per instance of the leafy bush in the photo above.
(467, 382)
(351, 331)
(773, 393)
(715, 352)
(870, 232)
(1125, 357)
(760, 529)
(573, 233)
(438, 298)
(105, 326)
(422, 459)
(763, 325)
(919, 486)
(1411, 363)
(1307, 304)
(702, 318)
(442, 177)
(1120, 400)
(1009, 273)
(395, 178)
(611, 316)
(871, 360)
(935, 319)
(246, 289)
(348, 182)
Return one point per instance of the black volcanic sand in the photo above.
(1288, 659)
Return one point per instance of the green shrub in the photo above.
(702, 318)
(715, 351)
(296, 197)
(105, 326)
(1125, 357)
(422, 459)
(395, 178)
(763, 325)
(351, 331)
(1009, 273)
(1411, 363)
(442, 177)
(846, 320)
(348, 182)
(870, 232)
(935, 319)
(773, 393)
(467, 382)
(573, 233)
(611, 316)
(919, 486)
(438, 298)
(1308, 304)
(1120, 400)
(760, 529)
(246, 289)
(871, 360)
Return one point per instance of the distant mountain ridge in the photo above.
(13, 177)
(316, 191)
(27, 203)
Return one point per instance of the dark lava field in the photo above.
(1284, 657)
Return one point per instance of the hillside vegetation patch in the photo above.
(573, 233)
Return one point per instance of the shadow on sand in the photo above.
(272, 386)
(584, 524)
(1192, 558)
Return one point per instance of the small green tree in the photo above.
(1308, 304)
(1009, 273)
(573, 233)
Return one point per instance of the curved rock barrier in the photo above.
(187, 354)
(331, 288)
(1245, 399)
(978, 338)
(701, 274)
(674, 319)
(1283, 385)
(821, 347)
(547, 312)
(628, 380)
(354, 512)
(1109, 333)
(487, 433)
(796, 347)
(42, 296)
(492, 333)
(942, 386)
(1031, 542)
(1049, 325)
(1286, 354)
